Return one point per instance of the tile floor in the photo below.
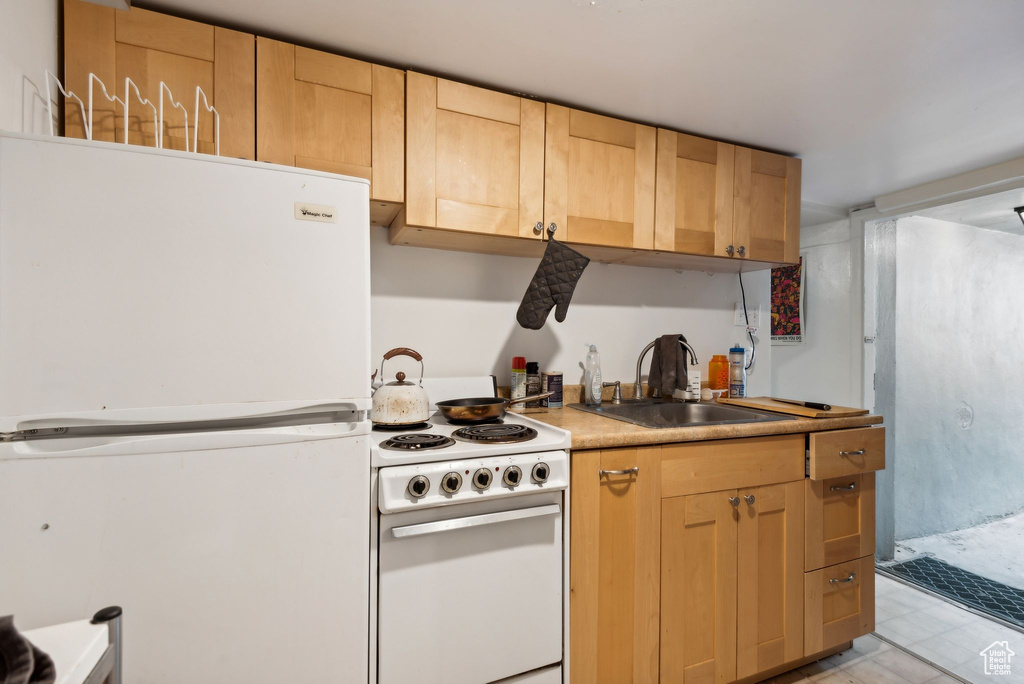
(926, 626)
(870, 661)
(941, 632)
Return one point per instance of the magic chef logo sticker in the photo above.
(315, 212)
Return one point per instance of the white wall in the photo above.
(459, 310)
(821, 368)
(28, 47)
(957, 375)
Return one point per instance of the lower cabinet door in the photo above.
(839, 604)
(770, 574)
(698, 587)
(613, 604)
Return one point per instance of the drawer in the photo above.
(840, 520)
(839, 604)
(846, 452)
(700, 467)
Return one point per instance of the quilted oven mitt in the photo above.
(552, 285)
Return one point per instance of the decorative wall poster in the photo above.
(788, 304)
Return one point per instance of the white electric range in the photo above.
(471, 552)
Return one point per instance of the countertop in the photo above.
(590, 431)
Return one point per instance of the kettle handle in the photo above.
(402, 351)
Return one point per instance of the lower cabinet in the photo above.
(732, 582)
(714, 561)
(614, 567)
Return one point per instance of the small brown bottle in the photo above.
(533, 383)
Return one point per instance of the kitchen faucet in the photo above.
(638, 389)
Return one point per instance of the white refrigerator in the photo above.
(184, 396)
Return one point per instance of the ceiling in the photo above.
(874, 95)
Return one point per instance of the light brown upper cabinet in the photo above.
(767, 206)
(149, 47)
(475, 159)
(694, 194)
(599, 176)
(717, 199)
(331, 113)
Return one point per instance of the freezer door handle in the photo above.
(127, 445)
(166, 415)
(421, 529)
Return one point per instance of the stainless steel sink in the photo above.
(654, 413)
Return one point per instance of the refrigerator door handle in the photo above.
(128, 445)
(168, 415)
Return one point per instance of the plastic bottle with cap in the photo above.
(592, 377)
(737, 372)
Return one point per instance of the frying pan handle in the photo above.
(531, 398)
(402, 351)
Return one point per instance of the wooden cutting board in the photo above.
(769, 404)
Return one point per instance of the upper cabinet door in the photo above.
(599, 178)
(331, 113)
(767, 207)
(475, 159)
(151, 48)
(694, 210)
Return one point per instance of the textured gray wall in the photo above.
(959, 450)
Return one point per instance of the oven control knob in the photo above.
(513, 476)
(482, 478)
(452, 482)
(418, 486)
(541, 472)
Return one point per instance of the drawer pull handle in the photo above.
(843, 581)
(848, 488)
(858, 452)
(629, 471)
(735, 501)
(749, 498)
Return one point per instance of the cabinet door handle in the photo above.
(749, 498)
(538, 227)
(742, 250)
(858, 452)
(734, 500)
(629, 471)
(843, 581)
(848, 488)
(729, 250)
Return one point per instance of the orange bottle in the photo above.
(718, 372)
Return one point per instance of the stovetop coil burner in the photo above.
(417, 441)
(495, 434)
(402, 428)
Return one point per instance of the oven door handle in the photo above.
(473, 521)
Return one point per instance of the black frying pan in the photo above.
(480, 409)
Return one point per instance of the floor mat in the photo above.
(966, 587)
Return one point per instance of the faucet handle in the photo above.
(617, 394)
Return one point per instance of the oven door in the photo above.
(471, 593)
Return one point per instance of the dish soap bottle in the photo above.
(592, 378)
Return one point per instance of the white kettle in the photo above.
(400, 402)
